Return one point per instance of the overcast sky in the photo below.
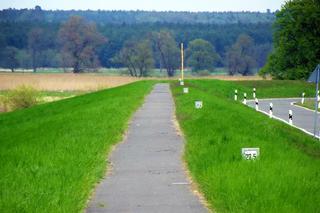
(158, 5)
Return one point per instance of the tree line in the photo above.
(136, 17)
(33, 44)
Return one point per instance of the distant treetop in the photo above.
(136, 17)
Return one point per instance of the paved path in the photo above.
(147, 173)
(302, 118)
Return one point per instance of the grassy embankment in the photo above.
(310, 104)
(285, 178)
(51, 155)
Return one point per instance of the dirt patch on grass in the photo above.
(64, 81)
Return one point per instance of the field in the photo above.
(285, 178)
(62, 81)
(51, 81)
(52, 155)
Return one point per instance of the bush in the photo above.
(3, 103)
(23, 97)
(204, 73)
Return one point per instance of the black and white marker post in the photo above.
(271, 110)
(257, 104)
(236, 95)
(245, 98)
(302, 99)
(290, 117)
(254, 92)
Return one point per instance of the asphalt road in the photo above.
(147, 173)
(302, 118)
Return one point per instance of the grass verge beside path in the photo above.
(52, 155)
(286, 177)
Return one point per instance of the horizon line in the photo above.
(141, 10)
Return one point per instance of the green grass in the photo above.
(276, 89)
(286, 177)
(51, 155)
(310, 104)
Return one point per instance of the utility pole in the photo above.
(182, 57)
(316, 102)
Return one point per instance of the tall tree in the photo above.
(9, 58)
(201, 55)
(36, 43)
(240, 56)
(137, 57)
(168, 51)
(145, 57)
(79, 40)
(296, 40)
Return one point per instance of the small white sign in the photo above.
(185, 90)
(181, 83)
(250, 153)
(198, 104)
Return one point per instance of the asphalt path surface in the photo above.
(302, 118)
(147, 172)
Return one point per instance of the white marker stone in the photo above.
(186, 90)
(257, 104)
(250, 153)
(198, 104)
(181, 83)
(254, 92)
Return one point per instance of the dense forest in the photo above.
(136, 17)
(31, 38)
